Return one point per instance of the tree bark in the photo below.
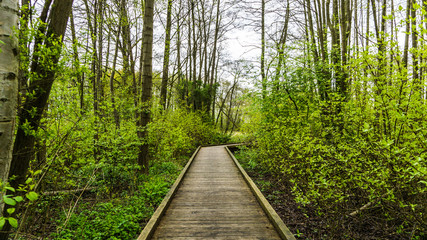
(194, 57)
(165, 75)
(113, 72)
(8, 82)
(406, 46)
(26, 15)
(76, 64)
(214, 55)
(415, 59)
(280, 47)
(143, 156)
(263, 75)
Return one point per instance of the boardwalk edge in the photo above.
(155, 219)
(277, 222)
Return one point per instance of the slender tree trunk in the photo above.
(113, 72)
(143, 157)
(408, 24)
(415, 59)
(194, 57)
(178, 56)
(99, 71)
(93, 29)
(23, 41)
(165, 76)
(281, 47)
(214, 55)
(336, 45)
(345, 24)
(76, 63)
(263, 75)
(189, 68)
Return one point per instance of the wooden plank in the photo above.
(216, 238)
(280, 226)
(155, 219)
(209, 230)
(214, 201)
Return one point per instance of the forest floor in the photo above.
(301, 221)
(296, 218)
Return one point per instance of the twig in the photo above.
(370, 203)
(50, 193)
(71, 210)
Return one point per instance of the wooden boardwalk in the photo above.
(212, 200)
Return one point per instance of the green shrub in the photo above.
(340, 160)
(118, 219)
(177, 133)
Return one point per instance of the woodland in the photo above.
(102, 102)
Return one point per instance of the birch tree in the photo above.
(8, 81)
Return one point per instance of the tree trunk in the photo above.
(194, 57)
(345, 24)
(76, 64)
(415, 60)
(280, 47)
(212, 74)
(263, 75)
(408, 23)
(143, 157)
(8, 82)
(113, 72)
(165, 75)
(26, 15)
(32, 112)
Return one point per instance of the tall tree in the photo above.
(263, 74)
(8, 82)
(415, 58)
(40, 86)
(212, 89)
(281, 45)
(165, 76)
(147, 76)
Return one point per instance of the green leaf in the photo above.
(28, 180)
(9, 201)
(10, 189)
(11, 210)
(2, 222)
(13, 222)
(18, 198)
(32, 196)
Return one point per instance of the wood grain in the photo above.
(214, 201)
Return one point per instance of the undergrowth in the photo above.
(122, 217)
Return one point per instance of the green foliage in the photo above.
(341, 155)
(248, 158)
(12, 201)
(179, 132)
(120, 218)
